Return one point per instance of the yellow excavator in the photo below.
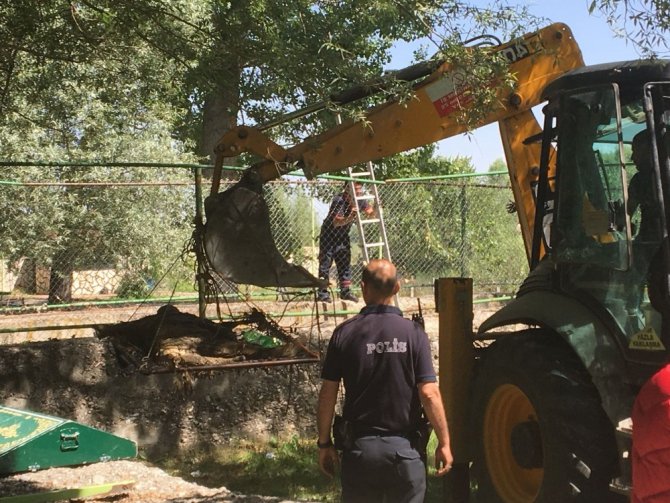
(238, 240)
(545, 401)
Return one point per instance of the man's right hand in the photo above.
(443, 459)
(328, 461)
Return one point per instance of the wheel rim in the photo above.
(509, 407)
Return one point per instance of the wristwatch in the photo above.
(325, 445)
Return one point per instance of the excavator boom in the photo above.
(238, 240)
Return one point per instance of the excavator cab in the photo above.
(550, 405)
(610, 231)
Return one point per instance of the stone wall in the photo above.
(81, 379)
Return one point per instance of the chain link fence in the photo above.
(433, 228)
(71, 234)
(108, 234)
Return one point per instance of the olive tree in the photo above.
(96, 79)
(646, 23)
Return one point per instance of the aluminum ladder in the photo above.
(364, 222)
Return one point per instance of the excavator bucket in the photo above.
(238, 239)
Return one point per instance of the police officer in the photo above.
(334, 244)
(385, 363)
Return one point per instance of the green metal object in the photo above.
(30, 441)
(77, 493)
(260, 339)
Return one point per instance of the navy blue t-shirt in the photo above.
(381, 357)
(340, 206)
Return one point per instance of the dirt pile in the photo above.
(175, 340)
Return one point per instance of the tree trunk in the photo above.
(220, 109)
(26, 276)
(60, 279)
(216, 120)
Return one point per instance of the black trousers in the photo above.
(383, 469)
(340, 252)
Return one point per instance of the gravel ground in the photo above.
(151, 485)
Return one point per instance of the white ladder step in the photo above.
(378, 218)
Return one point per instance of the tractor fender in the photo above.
(590, 339)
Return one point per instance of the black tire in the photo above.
(540, 432)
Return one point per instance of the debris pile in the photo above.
(172, 340)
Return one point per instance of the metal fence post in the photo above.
(464, 232)
(199, 225)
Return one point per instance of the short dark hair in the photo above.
(384, 286)
(642, 135)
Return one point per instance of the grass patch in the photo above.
(434, 492)
(285, 469)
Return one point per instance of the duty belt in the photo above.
(359, 431)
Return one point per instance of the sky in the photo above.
(596, 40)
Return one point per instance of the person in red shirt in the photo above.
(651, 440)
